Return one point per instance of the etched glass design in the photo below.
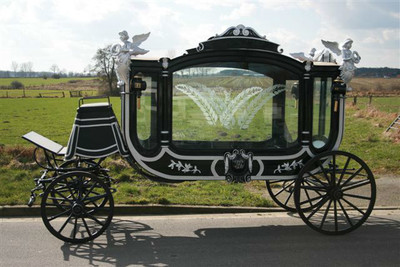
(221, 104)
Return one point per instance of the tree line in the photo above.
(25, 70)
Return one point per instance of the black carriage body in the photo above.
(234, 93)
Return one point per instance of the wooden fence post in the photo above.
(355, 100)
(370, 100)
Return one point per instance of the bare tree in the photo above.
(105, 68)
(54, 68)
(14, 67)
(23, 68)
(29, 68)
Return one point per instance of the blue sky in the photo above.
(68, 33)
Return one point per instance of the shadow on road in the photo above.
(129, 243)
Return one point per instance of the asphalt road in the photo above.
(269, 239)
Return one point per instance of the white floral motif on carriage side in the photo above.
(185, 168)
(287, 166)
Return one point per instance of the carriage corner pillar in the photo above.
(339, 89)
(306, 112)
(165, 94)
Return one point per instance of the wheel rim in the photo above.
(87, 207)
(281, 192)
(343, 187)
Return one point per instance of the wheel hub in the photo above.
(77, 209)
(336, 194)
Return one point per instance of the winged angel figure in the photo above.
(315, 56)
(349, 58)
(123, 53)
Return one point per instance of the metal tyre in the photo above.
(87, 207)
(281, 192)
(344, 189)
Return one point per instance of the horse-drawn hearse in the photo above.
(234, 108)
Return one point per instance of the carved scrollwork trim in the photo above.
(240, 30)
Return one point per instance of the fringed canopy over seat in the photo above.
(95, 133)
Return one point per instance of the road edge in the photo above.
(157, 209)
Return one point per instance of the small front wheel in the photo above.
(87, 207)
(344, 189)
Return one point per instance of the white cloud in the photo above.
(68, 33)
(205, 4)
(85, 11)
(284, 4)
(244, 10)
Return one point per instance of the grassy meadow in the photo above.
(53, 118)
(49, 88)
(28, 82)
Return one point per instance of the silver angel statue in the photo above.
(350, 58)
(315, 55)
(123, 53)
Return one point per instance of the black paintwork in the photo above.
(229, 48)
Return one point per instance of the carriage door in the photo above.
(322, 104)
(143, 110)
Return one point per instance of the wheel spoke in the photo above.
(308, 183)
(335, 214)
(94, 198)
(287, 200)
(65, 224)
(58, 215)
(86, 227)
(356, 196)
(323, 171)
(356, 185)
(94, 218)
(344, 170)
(345, 213)
(70, 191)
(75, 226)
(314, 198)
(283, 189)
(317, 179)
(318, 207)
(88, 192)
(353, 206)
(314, 188)
(326, 214)
(351, 177)
(333, 175)
(308, 196)
(56, 192)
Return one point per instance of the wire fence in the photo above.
(20, 93)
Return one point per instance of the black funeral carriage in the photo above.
(234, 108)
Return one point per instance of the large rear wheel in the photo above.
(344, 189)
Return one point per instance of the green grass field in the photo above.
(40, 81)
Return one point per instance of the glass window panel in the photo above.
(233, 102)
(146, 112)
(321, 111)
